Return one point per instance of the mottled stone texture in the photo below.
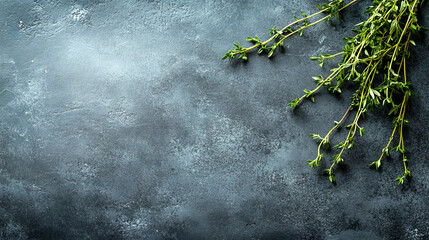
(120, 121)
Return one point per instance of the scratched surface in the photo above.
(120, 121)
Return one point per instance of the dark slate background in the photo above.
(120, 121)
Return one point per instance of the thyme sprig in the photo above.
(374, 60)
(279, 36)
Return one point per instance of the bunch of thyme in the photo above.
(379, 48)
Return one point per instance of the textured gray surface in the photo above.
(120, 121)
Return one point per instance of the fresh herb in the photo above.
(279, 36)
(374, 60)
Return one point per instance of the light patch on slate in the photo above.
(78, 14)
